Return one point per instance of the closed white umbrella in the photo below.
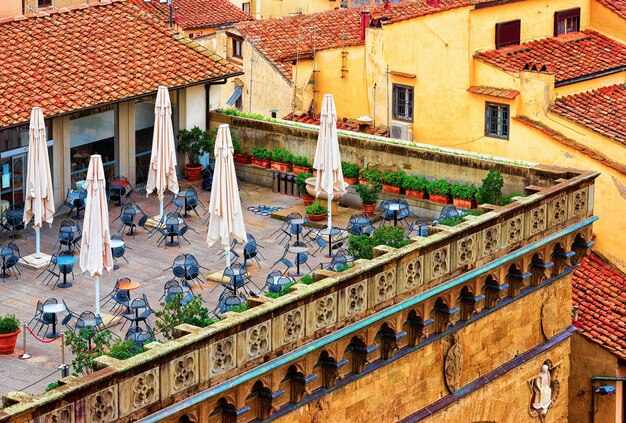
(95, 246)
(39, 201)
(226, 221)
(162, 168)
(327, 158)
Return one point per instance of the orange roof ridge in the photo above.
(46, 13)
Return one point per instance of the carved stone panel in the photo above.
(355, 298)
(544, 390)
(290, 326)
(549, 313)
(139, 392)
(222, 356)
(439, 262)
(384, 287)
(466, 250)
(321, 313)
(557, 212)
(490, 240)
(60, 415)
(102, 406)
(537, 219)
(258, 339)
(514, 230)
(183, 372)
(453, 365)
(411, 274)
(578, 202)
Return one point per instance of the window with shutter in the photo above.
(567, 21)
(508, 33)
(402, 99)
(497, 120)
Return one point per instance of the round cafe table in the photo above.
(53, 309)
(297, 251)
(330, 233)
(115, 243)
(65, 261)
(128, 286)
(394, 207)
(298, 224)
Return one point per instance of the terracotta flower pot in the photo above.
(265, 164)
(307, 199)
(8, 341)
(351, 181)
(415, 194)
(369, 209)
(193, 173)
(300, 169)
(316, 217)
(241, 158)
(441, 199)
(280, 166)
(464, 204)
(391, 189)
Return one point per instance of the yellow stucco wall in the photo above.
(10, 8)
(606, 21)
(591, 84)
(277, 8)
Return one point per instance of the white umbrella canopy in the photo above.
(162, 168)
(327, 157)
(95, 246)
(226, 221)
(39, 199)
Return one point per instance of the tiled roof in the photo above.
(602, 110)
(599, 290)
(67, 60)
(618, 6)
(570, 56)
(281, 40)
(344, 124)
(494, 92)
(196, 14)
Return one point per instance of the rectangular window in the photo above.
(508, 33)
(44, 3)
(497, 120)
(245, 7)
(567, 21)
(237, 48)
(402, 102)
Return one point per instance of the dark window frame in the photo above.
(408, 103)
(489, 120)
(503, 36)
(237, 42)
(44, 3)
(564, 15)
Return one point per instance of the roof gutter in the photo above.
(590, 76)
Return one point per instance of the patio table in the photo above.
(128, 286)
(65, 261)
(115, 243)
(297, 251)
(53, 309)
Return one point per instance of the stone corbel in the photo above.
(562, 260)
(517, 282)
(446, 317)
(540, 272)
(235, 416)
(302, 385)
(470, 306)
(494, 293)
(389, 344)
(581, 249)
(268, 405)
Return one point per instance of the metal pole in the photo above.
(98, 295)
(37, 243)
(171, 3)
(388, 123)
(251, 53)
(24, 355)
(160, 208)
(374, 120)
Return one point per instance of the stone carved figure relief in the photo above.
(440, 263)
(222, 356)
(60, 415)
(549, 313)
(183, 373)
(466, 251)
(355, 298)
(293, 325)
(537, 220)
(102, 406)
(453, 365)
(491, 238)
(515, 230)
(579, 202)
(325, 312)
(558, 212)
(145, 389)
(413, 275)
(385, 285)
(545, 388)
(259, 339)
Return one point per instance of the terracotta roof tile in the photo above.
(602, 110)
(618, 6)
(570, 56)
(196, 14)
(494, 92)
(342, 123)
(103, 53)
(599, 290)
(280, 40)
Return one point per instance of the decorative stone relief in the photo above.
(466, 250)
(514, 230)
(545, 389)
(183, 372)
(413, 273)
(356, 298)
(145, 389)
(491, 240)
(453, 365)
(579, 202)
(440, 262)
(293, 325)
(259, 339)
(325, 312)
(537, 220)
(102, 406)
(222, 356)
(558, 211)
(385, 285)
(549, 313)
(60, 415)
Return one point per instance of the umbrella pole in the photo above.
(330, 213)
(160, 208)
(37, 243)
(98, 295)
(227, 251)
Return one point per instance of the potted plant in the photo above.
(301, 178)
(350, 173)
(300, 164)
(194, 143)
(491, 190)
(464, 196)
(369, 194)
(281, 160)
(9, 329)
(439, 191)
(261, 157)
(238, 155)
(369, 175)
(316, 211)
(392, 181)
(414, 186)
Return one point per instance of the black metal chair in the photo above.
(128, 220)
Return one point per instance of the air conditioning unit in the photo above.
(401, 131)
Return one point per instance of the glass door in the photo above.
(13, 178)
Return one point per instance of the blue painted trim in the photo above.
(361, 324)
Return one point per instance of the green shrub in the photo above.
(306, 279)
(9, 324)
(440, 186)
(301, 161)
(371, 175)
(451, 221)
(261, 153)
(369, 193)
(124, 349)
(281, 155)
(394, 179)
(301, 181)
(360, 246)
(350, 170)
(239, 308)
(316, 208)
(491, 190)
(464, 192)
(283, 291)
(194, 143)
(86, 345)
(212, 134)
(344, 267)
(175, 313)
(414, 183)
(52, 385)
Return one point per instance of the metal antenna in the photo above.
(253, 41)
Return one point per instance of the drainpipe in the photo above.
(593, 391)
(208, 99)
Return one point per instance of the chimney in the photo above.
(365, 22)
(386, 4)
(433, 3)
